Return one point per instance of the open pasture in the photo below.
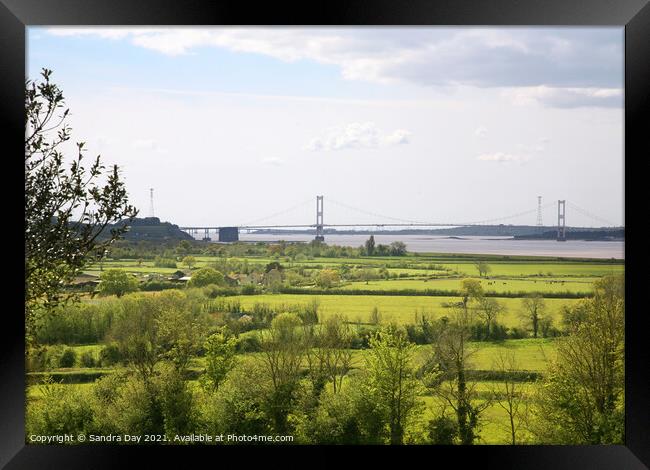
(398, 309)
(554, 285)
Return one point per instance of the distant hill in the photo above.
(151, 228)
(589, 235)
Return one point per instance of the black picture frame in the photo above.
(633, 15)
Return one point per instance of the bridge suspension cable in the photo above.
(508, 217)
(420, 222)
(590, 215)
(374, 214)
(282, 212)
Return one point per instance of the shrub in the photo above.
(68, 358)
(249, 289)
(212, 291)
(248, 343)
(160, 262)
(156, 285)
(87, 359)
(117, 282)
(63, 409)
(517, 333)
(206, 276)
(442, 430)
(109, 355)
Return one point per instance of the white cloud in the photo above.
(566, 97)
(358, 135)
(481, 131)
(502, 157)
(400, 136)
(484, 57)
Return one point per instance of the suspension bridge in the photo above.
(231, 233)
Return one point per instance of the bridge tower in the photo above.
(539, 212)
(151, 212)
(319, 219)
(561, 221)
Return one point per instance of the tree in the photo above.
(370, 245)
(534, 307)
(382, 250)
(391, 378)
(482, 267)
(273, 280)
(117, 282)
(375, 316)
(582, 398)
(184, 247)
(471, 289)
(283, 348)
(397, 249)
(220, 359)
(508, 393)
(189, 261)
(68, 205)
(331, 353)
(327, 278)
(206, 276)
(488, 310)
(451, 353)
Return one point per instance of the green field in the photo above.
(398, 309)
(583, 284)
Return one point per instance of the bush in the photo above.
(206, 276)
(248, 343)
(117, 282)
(212, 291)
(160, 262)
(517, 333)
(249, 289)
(442, 430)
(68, 358)
(63, 409)
(76, 323)
(88, 359)
(156, 285)
(109, 355)
(361, 340)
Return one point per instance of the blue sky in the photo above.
(229, 125)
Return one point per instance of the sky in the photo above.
(243, 125)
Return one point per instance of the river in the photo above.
(469, 244)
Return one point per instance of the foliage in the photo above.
(220, 358)
(160, 262)
(117, 282)
(66, 209)
(61, 410)
(370, 246)
(109, 355)
(391, 382)
(327, 278)
(189, 261)
(581, 400)
(482, 267)
(443, 430)
(87, 359)
(68, 358)
(283, 349)
(534, 307)
(205, 276)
